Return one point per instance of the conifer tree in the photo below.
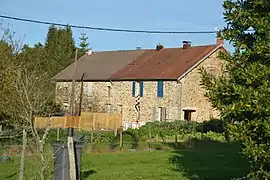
(59, 49)
(83, 44)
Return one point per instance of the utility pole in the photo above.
(71, 150)
(81, 96)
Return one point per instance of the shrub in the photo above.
(164, 129)
(213, 125)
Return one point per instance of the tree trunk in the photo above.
(121, 138)
(43, 162)
(21, 175)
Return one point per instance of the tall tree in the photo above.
(83, 44)
(59, 49)
(242, 93)
(6, 57)
(25, 91)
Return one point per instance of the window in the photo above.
(89, 88)
(160, 114)
(66, 94)
(141, 89)
(160, 89)
(134, 89)
(187, 114)
(109, 91)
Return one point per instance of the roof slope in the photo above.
(98, 65)
(166, 64)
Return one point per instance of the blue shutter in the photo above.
(141, 89)
(160, 89)
(133, 89)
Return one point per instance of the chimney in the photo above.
(159, 47)
(89, 52)
(186, 44)
(220, 41)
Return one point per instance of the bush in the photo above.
(213, 129)
(213, 125)
(160, 130)
(164, 129)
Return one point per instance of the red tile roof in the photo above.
(166, 64)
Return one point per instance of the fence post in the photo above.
(21, 175)
(94, 121)
(121, 138)
(107, 120)
(58, 134)
(80, 122)
(65, 122)
(92, 140)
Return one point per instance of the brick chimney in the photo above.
(186, 44)
(220, 41)
(159, 47)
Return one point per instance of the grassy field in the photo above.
(201, 160)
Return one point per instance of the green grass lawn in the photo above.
(201, 160)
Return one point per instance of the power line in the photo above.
(108, 29)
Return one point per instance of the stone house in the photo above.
(161, 84)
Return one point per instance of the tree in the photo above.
(242, 93)
(83, 44)
(33, 57)
(26, 89)
(59, 49)
(9, 48)
(25, 92)
(5, 59)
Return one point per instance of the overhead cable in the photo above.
(107, 29)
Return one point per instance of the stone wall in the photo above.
(90, 100)
(194, 94)
(121, 95)
(116, 97)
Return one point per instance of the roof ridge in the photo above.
(117, 65)
(149, 49)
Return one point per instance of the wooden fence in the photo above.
(87, 121)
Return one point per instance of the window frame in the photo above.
(160, 89)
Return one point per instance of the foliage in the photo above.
(26, 73)
(152, 130)
(10, 137)
(59, 49)
(163, 129)
(83, 44)
(171, 129)
(213, 125)
(242, 93)
(26, 87)
(218, 137)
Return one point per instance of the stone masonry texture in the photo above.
(116, 97)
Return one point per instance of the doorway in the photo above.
(188, 114)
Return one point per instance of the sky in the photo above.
(167, 15)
